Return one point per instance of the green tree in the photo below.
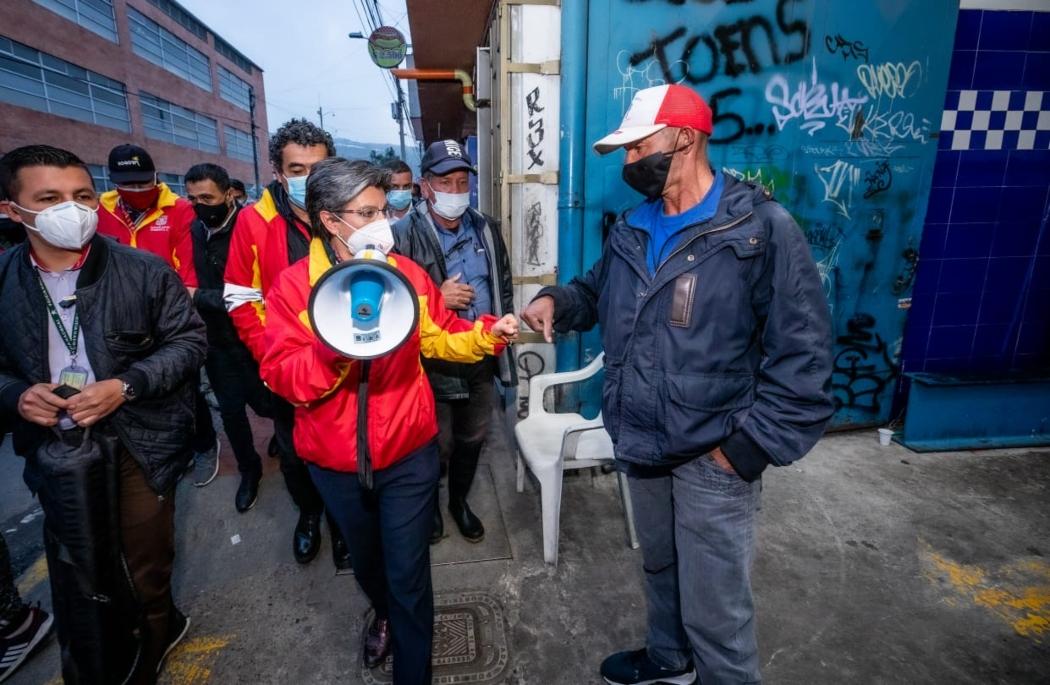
(387, 155)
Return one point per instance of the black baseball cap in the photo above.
(444, 157)
(130, 164)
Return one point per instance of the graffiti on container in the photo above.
(764, 177)
(907, 275)
(890, 80)
(839, 179)
(813, 103)
(849, 49)
(529, 364)
(880, 123)
(863, 368)
(852, 148)
(533, 233)
(757, 153)
(536, 132)
(878, 180)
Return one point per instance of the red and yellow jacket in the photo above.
(258, 254)
(163, 230)
(323, 385)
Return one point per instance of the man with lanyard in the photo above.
(233, 373)
(399, 197)
(121, 335)
(268, 237)
(463, 251)
(144, 213)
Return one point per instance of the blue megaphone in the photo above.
(366, 296)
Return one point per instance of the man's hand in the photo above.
(506, 328)
(723, 462)
(41, 406)
(457, 295)
(96, 401)
(539, 315)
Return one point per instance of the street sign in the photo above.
(387, 47)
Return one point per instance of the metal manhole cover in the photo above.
(470, 643)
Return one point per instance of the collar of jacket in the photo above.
(93, 266)
(200, 231)
(322, 258)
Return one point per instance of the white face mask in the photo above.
(376, 235)
(67, 225)
(450, 206)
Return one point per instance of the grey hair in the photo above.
(335, 181)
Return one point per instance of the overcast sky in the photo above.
(307, 60)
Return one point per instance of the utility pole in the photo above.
(320, 115)
(400, 115)
(255, 142)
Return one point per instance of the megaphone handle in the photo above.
(364, 457)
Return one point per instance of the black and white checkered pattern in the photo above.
(996, 120)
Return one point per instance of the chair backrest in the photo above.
(538, 385)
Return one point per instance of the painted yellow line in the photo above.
(192, 661)
(1018, 592)
(34, 575)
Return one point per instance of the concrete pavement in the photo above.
(874, 565)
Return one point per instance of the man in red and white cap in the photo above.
(717, 344)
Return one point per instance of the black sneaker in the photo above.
(21, 637)
(179, 625)
(636, 668)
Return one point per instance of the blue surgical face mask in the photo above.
(399, 199)
(297, 190)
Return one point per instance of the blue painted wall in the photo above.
(982, 294)
(834, 106)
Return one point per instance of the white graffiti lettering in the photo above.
(752, 176)
(880, 123)
(839, 179)
(813, 102)
(891, 80)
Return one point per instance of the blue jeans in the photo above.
(387, 531)
(696, 526)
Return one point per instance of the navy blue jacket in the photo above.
(727, 345)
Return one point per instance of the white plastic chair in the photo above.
(552, 443)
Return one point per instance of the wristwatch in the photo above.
(127, 392)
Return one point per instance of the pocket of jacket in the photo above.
(713, 392)
(132, 343)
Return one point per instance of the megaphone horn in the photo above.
(364, 308)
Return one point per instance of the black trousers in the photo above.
(234, 377)
(463, 426)
(387, 530)
(296, 475)
(10, 603)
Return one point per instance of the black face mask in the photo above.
(212, 215)
(649, 174)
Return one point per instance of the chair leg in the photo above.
(550, 503)
(628, 510)
(520, 484)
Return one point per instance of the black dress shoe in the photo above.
(307, 538)
(438, 531)
(340, 552)
(376, 642)
(247, 492)
(469, 525)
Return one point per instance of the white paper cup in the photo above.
(885, 436)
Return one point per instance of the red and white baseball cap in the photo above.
(654, 109)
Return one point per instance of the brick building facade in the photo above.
(87, 75)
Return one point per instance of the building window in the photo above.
(174, 182)
(157, 44)
(36, 80)
(238, 144)
(233, 89)
(173, 124)
(100, 175)
(230, 53)
(184, 18)
(94, 15)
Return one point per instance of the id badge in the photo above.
(74, 376)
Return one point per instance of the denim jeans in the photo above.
(387, 531)
(696, 526)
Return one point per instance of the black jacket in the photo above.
(209, 259)
(727, 345)
(415, 238)
(138, 325)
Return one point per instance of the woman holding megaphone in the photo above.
(344, 331)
